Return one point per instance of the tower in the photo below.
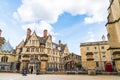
(113, 29)
(113, 24)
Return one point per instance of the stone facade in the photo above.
(113, 24)
(41, 52)
(113, 29)
(101, 55)
(8, 58)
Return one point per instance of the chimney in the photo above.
(28, 33)
(59, 43)
(0, 33)
(45, 33)
(103, 38)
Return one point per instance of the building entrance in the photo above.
(33, 67)
(108, 67)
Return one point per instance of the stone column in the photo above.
(21, 66)
(91, 64)
(44, 58)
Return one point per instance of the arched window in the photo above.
(4, 59)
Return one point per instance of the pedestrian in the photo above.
(24, 72)
(31, 70)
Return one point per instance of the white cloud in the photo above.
(91, 37)
(39, 27)
(2, 24)
(50, 10)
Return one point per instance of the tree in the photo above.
(78, 65)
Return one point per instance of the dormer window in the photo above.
(33, 41)
(37, 49)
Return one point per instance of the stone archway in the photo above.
(70, 66)
(34, 65)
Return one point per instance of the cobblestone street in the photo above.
(12, 76)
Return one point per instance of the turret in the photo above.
(103, 38)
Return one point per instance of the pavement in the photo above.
(17, 76)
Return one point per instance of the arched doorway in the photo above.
(70, 66)
(34, 64)
(18, 66)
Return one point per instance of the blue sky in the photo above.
(73, 22)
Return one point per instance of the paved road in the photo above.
(13, 76)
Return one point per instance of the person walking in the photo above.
(31, 70)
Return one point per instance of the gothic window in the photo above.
(37, 49)
(33, 41)
(32, 50)
(4, 59)
(28, 50)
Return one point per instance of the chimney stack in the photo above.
(0, 33)
(45, 33)
(28, 33)
(59, 43)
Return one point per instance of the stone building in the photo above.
(72, 62)
(40, 53)
(101, 55)
(113, 29)
(7, 55)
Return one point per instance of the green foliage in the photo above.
(78, 65)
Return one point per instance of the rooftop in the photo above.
(94, 43)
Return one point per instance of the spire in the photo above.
(103, 38)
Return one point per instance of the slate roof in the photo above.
(7, 47)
